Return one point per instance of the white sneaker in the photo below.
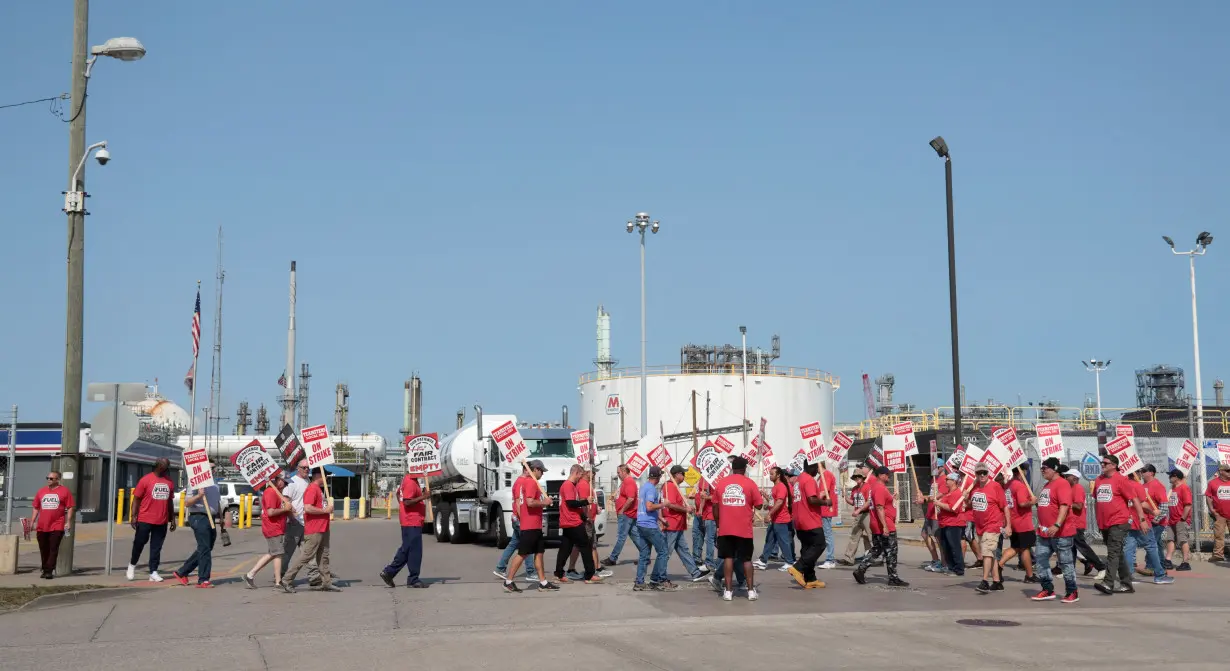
(828, 565)
(727, 595)
(500, 574)
(605, 573)
(154, 577)
(752, 595)
(131, 573)
(760, 565)
(1100, 576)
(785, 568)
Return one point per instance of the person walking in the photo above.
(649, 537)
(808, 502)
(990, 509)
(1140, 535)
(737, 500)
(1056, 528)
(883, 531)
(699, 501)
(675, 524)
(586, 488)
(1021, 501)
(704, 506)
(777, 531)
(201, 504)
(153, 501)
(859, 509)
(572, 511)
(275, 509)
(1217, 501)
(529, 502)
(1114, 496)
(514, 541)
(828, 512)
(932, 535)
(1179, 526)
(316, 513)
(950, 514)
(296, 487)
(625, 512)
(1080, 514)
(411, 513)
(53, 517)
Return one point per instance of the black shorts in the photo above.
(591, 533)
(735, 547)
(1024, 540)
(531, 542)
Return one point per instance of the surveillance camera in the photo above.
(103, 156)
(655, 226)
(630, 226)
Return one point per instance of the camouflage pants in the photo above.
(882, 545)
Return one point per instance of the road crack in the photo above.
(259, 650)
(100, 624)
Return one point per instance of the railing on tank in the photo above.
(720, 369)
(1026, 418)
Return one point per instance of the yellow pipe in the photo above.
(182, 508)
(119, 506)
(251, 505)
(243, 512)
(362, 509)
(247, 511)
(388, 507)
(132, 503)
(346, 509)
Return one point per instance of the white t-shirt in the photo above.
(294, 490)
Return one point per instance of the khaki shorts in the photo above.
(1179, 533)
(277, 545)
(987, 543)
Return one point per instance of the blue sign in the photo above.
(1091, 466)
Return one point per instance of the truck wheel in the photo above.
(441, 523)
(458, 533)
(233, 513)
(501, 532)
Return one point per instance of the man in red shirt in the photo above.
(274, 510)
(53, 515)
(573, 509)
(1056, 527)
(529, 501)
(860, 530)
(1021, 501)
(586, 488)
(1217, 497)
(675, 523)
(931, 535)
(989, 507)
(883, 531)
(1179, 525)
(807, 514)
(625, 512)
(1080, 513)
(828, 512)
(411, 513)
(736, 499)
(154, 502)
(316, 512)
(950, 516)
(1114, 495)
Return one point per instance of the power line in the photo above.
(54, 108)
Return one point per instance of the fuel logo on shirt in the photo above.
(734, 496)
(1008, 498)
(161, 492)
(978, 502)
(1105, 493)
(50, 501)
(1223, 493)
(797, 494)
(1044, 499)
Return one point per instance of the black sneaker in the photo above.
(897, 582)
(983, 587)
(607, 562)
(548, 587)
(287, 587)
(997, 586)
(860, 576)
(511, 587)
(1088, 570)
(845, 562)
(639, 587)
(388, 579)
(1056, 571)
(1125, 589)
(1184, 567)
(1103, 588)
(1168, 565)
(1031, 579)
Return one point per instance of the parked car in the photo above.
(228, 495)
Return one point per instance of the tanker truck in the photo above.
(472, 499)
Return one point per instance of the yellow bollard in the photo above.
(243, 511)
(132, 504)
(346, 508)
(362, 509)
(247, 511)
(119, 506)
(251, 502)
(183, 510)
(388, 507)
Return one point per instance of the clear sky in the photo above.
(453, 180)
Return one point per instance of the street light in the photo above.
(941, 149)
(641, 222)
(1202, 242)
(120, 48)
(743, 335)
(1096, 367)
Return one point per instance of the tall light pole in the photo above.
(1096, 367)
(743, 334)
(1202, 242)
(124, 49)
(641, 223)
(941, 148)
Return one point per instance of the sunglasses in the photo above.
(1108, 463)
(52, 477)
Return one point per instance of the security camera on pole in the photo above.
(641, 223)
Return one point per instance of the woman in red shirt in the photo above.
(949, 511)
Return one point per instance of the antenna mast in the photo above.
(213, 420)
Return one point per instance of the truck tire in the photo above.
(441, 523)
(501, 532)
(458, 533)
(233, 513)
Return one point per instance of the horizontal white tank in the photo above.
(224, 446)
(787, 397)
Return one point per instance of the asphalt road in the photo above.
(465, 621)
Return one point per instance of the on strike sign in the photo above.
(423, 455)
(1188, 458)
(512, 447)
(637, 464)
(841, 446)
(724, 444)
(1050, 442)
(319, 447)
(660, 456)
(813, 438)
(254, 464)
(580, 444)
(200, 473)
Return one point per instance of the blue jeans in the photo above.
(627, 527)
(502, 564)
(698, 539)
(677, 542)
(831, 552)
(1062, 549)
(778, 536)
(1136, 539)
(410, 555)
(711, 559)
(647, 539)
(201, 560)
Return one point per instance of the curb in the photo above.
(80, 596)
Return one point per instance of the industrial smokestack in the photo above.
(416, 404)
(461, 417)
(406, 422)
(1218, 388)
(565, 416)
(288, 404)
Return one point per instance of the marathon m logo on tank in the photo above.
(612, 404)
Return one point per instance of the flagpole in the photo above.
(196, 356)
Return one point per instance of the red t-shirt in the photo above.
(738, 496)
(569, 517)
(1138, 493)
(987, 505)
(53, 504)
(881, 497)
(1111, 499)
(584, 491)
(830, 486)
(155, 494)
(939, 487)
(806, 516)
(706, 509)
(1022, 513)
(1079, 498)
(526, 489)
(314, 523)
(951, 498)
(627, 492)
(674, 520)
(781, 493)
(411, 515)
(1219, 491)
(1161, 499)
(272, 527)
(1056, 493)
(858, 496)
(1180, 498)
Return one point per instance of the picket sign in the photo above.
(580, 445)
(840, 448)
(767, 459)
(724, 444)
(254, 464)
(423, 455)
(508, 439)
(902, 438)
(996, 456)
(1016, 453)
(895, 460)
(1188, 457)
(1050, 441)
(711, 463)
(200, 473)
(953, 463)
(637, 464)
(813, 441)
(660, 456)
(973, 456)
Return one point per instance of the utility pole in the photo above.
(69, 462)
(622, 414)
(8, 475)
(695, 437)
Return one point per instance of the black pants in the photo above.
(574, 537)
(950, 542)
(1086, 552)
(811, 547)
(154, 534)
(883, 545)
(49, 548)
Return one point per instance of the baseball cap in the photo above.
(537, 465)
(954, 476)
(1150, 468)
(655, 472)
(794, 472)
(1051, 463)
(1176, 473)
(677, 469)
(883, 470)
(982, 467)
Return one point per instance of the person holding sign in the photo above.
(296, 487)
(1021, 501)
(1140, 535)
(53, 516)
(275, 508)
(648, 536)
(1114, 495)
(778, 531)
(1080, 511)
(737, 499)
(529, 501)
(1217, 498)
(411, 514)
(574, 508)
(949, 510)
(154, 498)
(316, 513)
(625, 512)
(809, 502)
(675, 524)
(828, 512)
(586, 489)
(860, 530)
(990, 509)
(883, 531)
(1179, 526)
(204, 514)
(1056, 527)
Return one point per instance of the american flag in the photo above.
(282, 379)
(189, 379)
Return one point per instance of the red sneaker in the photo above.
(183, 580)
(1071, 598)
(1044, 595)
(205, 585)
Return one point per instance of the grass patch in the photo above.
(16, 597)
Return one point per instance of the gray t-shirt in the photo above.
(294, 490)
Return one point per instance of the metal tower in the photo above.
(301, 408)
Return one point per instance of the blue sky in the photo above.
(453, 180)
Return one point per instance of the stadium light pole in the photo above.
(941, 149)
(640, 223)
(1096, 367)
(743, 335)
(1202, 242)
